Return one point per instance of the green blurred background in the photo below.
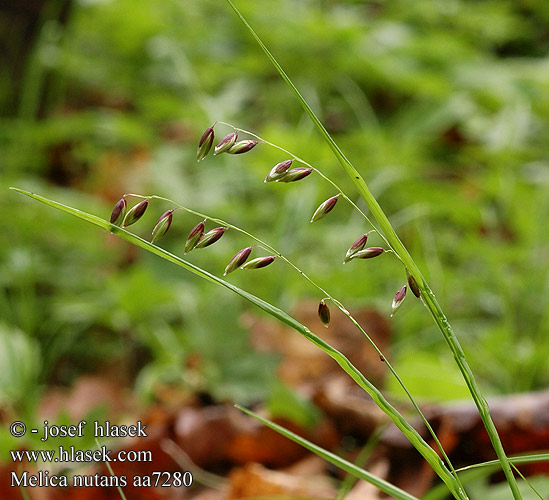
(443, 107)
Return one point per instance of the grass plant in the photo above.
(376, 220)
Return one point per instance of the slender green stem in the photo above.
(120, 491)
(335, 301)
(363, 456)
(398, 247)
(536, 492)
(517, 459)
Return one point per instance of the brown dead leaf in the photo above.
(522, 421)
(204, 434)
(254, 480)
(352, 411)
(366, 491)
(228, 436)
(87, 393)
(254, 442)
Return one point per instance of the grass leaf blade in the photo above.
(349, 467)
(515, 460)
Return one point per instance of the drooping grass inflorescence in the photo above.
(282, 173)
(358, 250)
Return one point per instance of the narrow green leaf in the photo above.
(365, 453)
(343, 464)
(120, 491)
(440, 492)
(515, 460)
(530, 485)
(476, 471)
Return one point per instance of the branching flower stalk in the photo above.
(121, 218)
(336, 302)
(400, 250)
(401, 423)
(327, 296)
(317, 171)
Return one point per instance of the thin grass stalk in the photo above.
(398, 247)
(365, 453)
(515, 460)
(401, 423)
(530, 485)
(120, 491)
(343, 464)
(22, 488)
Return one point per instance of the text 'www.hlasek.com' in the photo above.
(62, 457)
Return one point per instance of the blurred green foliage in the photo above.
(536, 486)
(444, 107)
